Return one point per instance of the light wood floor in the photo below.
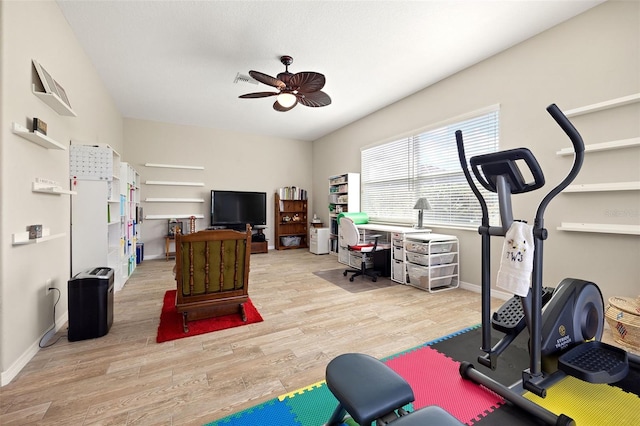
(126, 378)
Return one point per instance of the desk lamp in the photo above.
(421, 205)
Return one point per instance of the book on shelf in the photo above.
(292, 193)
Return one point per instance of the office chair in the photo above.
(350, 237)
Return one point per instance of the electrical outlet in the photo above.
(48, 284)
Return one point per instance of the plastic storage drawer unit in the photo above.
(90, 300)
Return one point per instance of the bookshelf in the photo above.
(291, 228)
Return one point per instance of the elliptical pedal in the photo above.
(595, 362)
(509, 318)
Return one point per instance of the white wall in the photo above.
(588, 59)
(231, 160)
(37, 30)
(591, 58)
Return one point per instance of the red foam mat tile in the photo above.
(435, 380)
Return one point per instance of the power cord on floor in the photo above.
(54, 322)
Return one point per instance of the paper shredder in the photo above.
(90, 303)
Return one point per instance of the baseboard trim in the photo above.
(8, 375)
(478, 289)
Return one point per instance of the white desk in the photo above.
(392, 229)
(419, 257)
(397, 236)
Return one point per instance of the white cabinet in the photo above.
(100, 211)
(319, 240)
(344, 196)
(431, 261)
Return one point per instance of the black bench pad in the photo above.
(365, 387)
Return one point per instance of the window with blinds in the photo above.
(395, 174)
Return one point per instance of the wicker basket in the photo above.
(623, 316)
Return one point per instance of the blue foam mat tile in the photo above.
(271, 412)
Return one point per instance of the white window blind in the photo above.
(395, 174)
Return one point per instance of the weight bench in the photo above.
(369, 390)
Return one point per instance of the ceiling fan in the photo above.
(303, 87)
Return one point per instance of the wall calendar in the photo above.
(91, 162)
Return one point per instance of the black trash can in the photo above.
(90, 300)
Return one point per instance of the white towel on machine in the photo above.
(517, 259)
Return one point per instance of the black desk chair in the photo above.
(350, 237)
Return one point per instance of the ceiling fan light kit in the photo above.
(303, 87)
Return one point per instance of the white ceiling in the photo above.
(176, 61)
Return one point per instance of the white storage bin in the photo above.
(397, 252)
(440, 276)
(343, 255)
(290, 241)
(436, 259)
(423, 248)
(355, 260)
(398, 271)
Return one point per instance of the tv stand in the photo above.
(259, 242)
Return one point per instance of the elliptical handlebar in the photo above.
(578, 147)
(463, 162)
(567, 127)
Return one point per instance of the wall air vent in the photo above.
(244, 78)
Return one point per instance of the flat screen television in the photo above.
(234, 209)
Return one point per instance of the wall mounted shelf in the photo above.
(173, 166)
(613, 103)
(22, 238)
(603, 187)
(604, 146)
(602, 228)
(169, 183)
(36, 137)
(172, 216)
(50, 189)
(54, 102)
(174, 200)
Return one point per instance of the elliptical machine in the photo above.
(566, 324)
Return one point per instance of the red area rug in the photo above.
(170, 327)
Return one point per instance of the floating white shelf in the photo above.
(21, 238)
(602, 228)
(36, 137)
(172, 216)
(625, 100)
(602, 187)
(169, 183)
(174, 200)
(174, 166)
(50, 189)
(54, 102)
(604, 146)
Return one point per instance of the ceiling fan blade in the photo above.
(314, 99)
(307, 81)
(267, 79)
(258, 95)
(280, 108)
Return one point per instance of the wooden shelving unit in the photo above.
(291, 228)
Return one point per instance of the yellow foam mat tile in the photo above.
(590, 404)
(300, 391)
